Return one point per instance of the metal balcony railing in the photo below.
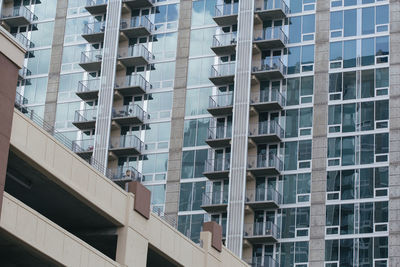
(23, 72)
(261, 229)
(137, 22)
(138, 50)
(224, 69)
(85, 115)
(18, 11)
(271, 33)
(265, 161)
(271, 64)
(135, 79)
(214, 198)
(20, 101)
(266, 128)
(217, 165)
(128, 111)
(96, 2)
(222, 100)
(125, 174)
(219, 132)
(268, 96)
(94, 27)
(92, 56)
(79, 146)
(272, 5)
(225, 39)
(89, 85)
(126, 141)
(226, 9)
(266, 261)
(263, 194)
(23, 40)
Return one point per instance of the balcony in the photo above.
(23, 72)
(266, 132)
(83, 147)
(222, 104)
(136, 26)
(135, 55)
(23, 40)
(270, 69)
(266, 261)
(20, 102)
(267, 100)
(122, 175)
(226, 14)
(94, 32)
(127, 115)
(219, 136)
(125, 145)
(88, 89)
(263, 165)
(270, 38)
(263, 198)
(17, 16)
(222, 74)
(85, 119)
(134, 84)
(217, 168)
(215, 201)
(261, 232)
(224, 44)
(91, 60)
(138, 3)
(270, 10)
(95, 7)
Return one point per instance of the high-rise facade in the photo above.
(276, 119)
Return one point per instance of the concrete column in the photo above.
(319, 143)
(106, 93)
(240, 125)
(8, 78)
(178, 110)
(57, 48)
(394, 136)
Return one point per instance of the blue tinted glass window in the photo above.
(295, 6)
(350, 2)
(336, 20)
(295, 29)
(382, 14)
(293, 60)
(367, 52)
(309, 24)
(382, 45)
(350, 22)
(335, 52)
(307, 55)
(368, 19)
(349, 54)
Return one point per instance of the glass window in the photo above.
(348, 149)
(200, 42)
(304, 150)
(301, 254)
(331, 250)
(367, 183)
(197, 101)
(336, 20)
(39, 61)
(382, 77)
(367, 116)
(288, 223)
(289, 189)
(308, 24)
(332, 215)
(347, 219)
(335, 51)
(335, 82)
(349, 85)
(292, 127)
(367, 52)
(367, 83)
(295, 29)
(203, 12)
(190, 196)
(347, 184)
(306, 117)
(380, 247)
(307, 55)
(290, 155)
(382, 46)
(366, 217)
(293, 60)
(382, 110)
(307, 85)
(193, 163)
(346, 253)
(157, 194)
(368, 20)
(365, 251)
(349, 118)
(293, 89)
(42, 35)
(382, 14)
(350, 22)
(381, 143)
(334, 114)
(35, 90)
(349, 53)
(199, 71)
(195, 132)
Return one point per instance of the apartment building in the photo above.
(270, 118)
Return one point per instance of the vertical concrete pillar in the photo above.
(178, 110)
(319, 144)
(8, 78)
(394, 136)
(240, 125)
(57, 48)
(106, 93)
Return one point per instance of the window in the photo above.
(300, 59)
(157, 135)
(159, 105)
(190, 226)
(195, 132)
(193, 163)
(296, 188)
(190, 196)
(199, 71)
(200, 42)
(197, 101)
(203, 12)
(154, 167)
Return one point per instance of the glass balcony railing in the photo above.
(79, 146)
(137, 22)
(96, 2)
(272, 5)
(134, 80)
(85, 115)
(122, 173)
(20, 101)
(271, 64)
(128, 111)
(265, 161)
(219, 132)
(226, 9)
(266, 261)
(222, 100)
(266, 96)
(89, 85)
(266, 128)
(271, 33)
(92, 56)
(262, 229)
(18, 11)
(23, 72)
(217, 165)
(23, 40)
(126, 141)
(94, 27)
(263, 194)
(214, 198)
(224, 69)
(225, 39)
